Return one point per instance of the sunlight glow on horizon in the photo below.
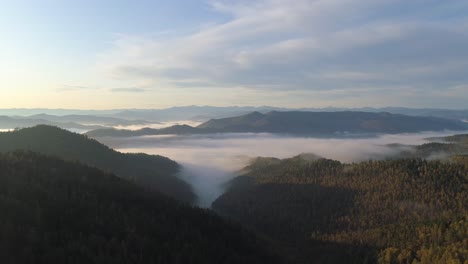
(120, 55)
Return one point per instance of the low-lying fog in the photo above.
(210, 160)
(129, 127)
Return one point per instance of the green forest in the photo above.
(66, 198)
(64, 212)
(324, 211)
(150, 171)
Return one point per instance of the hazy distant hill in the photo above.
(461, 114)
(89, 119)
(154, 172)
(21, 122)
(79, 122)
(331, 122)
(54, 211)
(204, 113)
(305, 123)
(197, 113)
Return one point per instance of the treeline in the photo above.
(151, 171)
(324, 211)
(442, 148)
(54, 211)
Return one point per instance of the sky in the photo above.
(106, 54)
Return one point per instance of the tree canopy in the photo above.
(54, 211)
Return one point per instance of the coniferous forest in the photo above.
(54, 211)
(396, 211)
(150, 171)
(234, 132)
(66, 198)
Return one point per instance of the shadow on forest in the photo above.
(292, 215)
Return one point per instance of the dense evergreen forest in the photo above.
(54, 211)
(324, 211)
(154, 172)
(305, 209)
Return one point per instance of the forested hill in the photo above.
(331, 122)
(54, 211)
(394, 211)
(442, 148)
(154, 172)
(304, 123)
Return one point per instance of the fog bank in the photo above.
(211, 160)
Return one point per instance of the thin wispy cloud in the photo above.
(300, 53)
(73, 88)
(128, 90)
(309, 46)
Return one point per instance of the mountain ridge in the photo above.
(304, 123)
(204, 113)
(151, 171)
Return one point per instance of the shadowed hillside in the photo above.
(150, 171)
(54, 211)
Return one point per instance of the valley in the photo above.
(318, 205)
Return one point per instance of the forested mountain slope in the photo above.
(442, 148)
(150, 171)
(324, 211)
(54, 211)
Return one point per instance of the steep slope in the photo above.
(400, 211)
(154, 172)
(54, 211)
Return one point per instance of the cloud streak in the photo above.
(73, 88)
(309, 46)
(128, 90)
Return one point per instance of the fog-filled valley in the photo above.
(209, 161)
(285, 198)
(234, 132)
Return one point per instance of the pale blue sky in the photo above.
(297, 53)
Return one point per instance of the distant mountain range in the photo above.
(89, 119)
(21, 122)
(78, 122)
(204, 113)
(303, 123)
